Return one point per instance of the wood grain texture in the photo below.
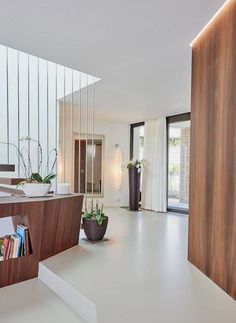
(16, 270)
(10, 180)
(19, 269)
(61, 225)
(212, 219)
(54, 226)
(7, 168)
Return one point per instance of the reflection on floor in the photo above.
(141, 275)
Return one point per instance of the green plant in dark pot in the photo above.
(95, 223)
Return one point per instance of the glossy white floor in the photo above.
(141, 275)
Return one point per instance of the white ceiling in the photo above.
(139, 48)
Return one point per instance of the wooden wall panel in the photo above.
(212, 219)
(61, 225)
(54, 226)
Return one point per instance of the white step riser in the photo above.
(78, 302)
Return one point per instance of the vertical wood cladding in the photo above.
(212, 219)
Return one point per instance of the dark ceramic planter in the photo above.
(94, 231)
(134, 188)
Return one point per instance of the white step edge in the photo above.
(78, 302)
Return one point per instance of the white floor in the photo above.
(32, 301)
(141, 275)
(175, 203)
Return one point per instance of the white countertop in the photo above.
(24, 199)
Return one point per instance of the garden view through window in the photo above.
(178, 165)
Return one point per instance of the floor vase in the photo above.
(134, 188)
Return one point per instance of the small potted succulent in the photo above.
(95, 222)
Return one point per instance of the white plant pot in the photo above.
(36, 189)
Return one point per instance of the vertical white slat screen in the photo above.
(7, 94)
(18, 109)
(72, 123)
(28, 103)
(56, 123)
(3, 104)
(79, 127)
(36, 99)
(13, 104)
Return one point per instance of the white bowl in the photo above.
(36, 189)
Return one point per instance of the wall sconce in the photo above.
(117, 163)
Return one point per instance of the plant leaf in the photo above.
(100, 221)
(21, 183)
(99, 217)
(49, 178)
(37, 177)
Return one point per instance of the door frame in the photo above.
(171, 120)
(85, 137)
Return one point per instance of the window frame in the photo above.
(171, 120)
(132, 127)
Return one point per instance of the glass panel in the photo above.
(178, 165)
(138, 142)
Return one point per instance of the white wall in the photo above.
(115, 133)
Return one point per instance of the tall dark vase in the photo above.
(134, 188)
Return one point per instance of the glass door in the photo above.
(178, 131)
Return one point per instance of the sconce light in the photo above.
(117, 163)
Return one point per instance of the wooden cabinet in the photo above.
(54, 226)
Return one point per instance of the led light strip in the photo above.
(209, 22)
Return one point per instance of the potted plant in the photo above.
(135, 167)
(95, 223)
(34, 184)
